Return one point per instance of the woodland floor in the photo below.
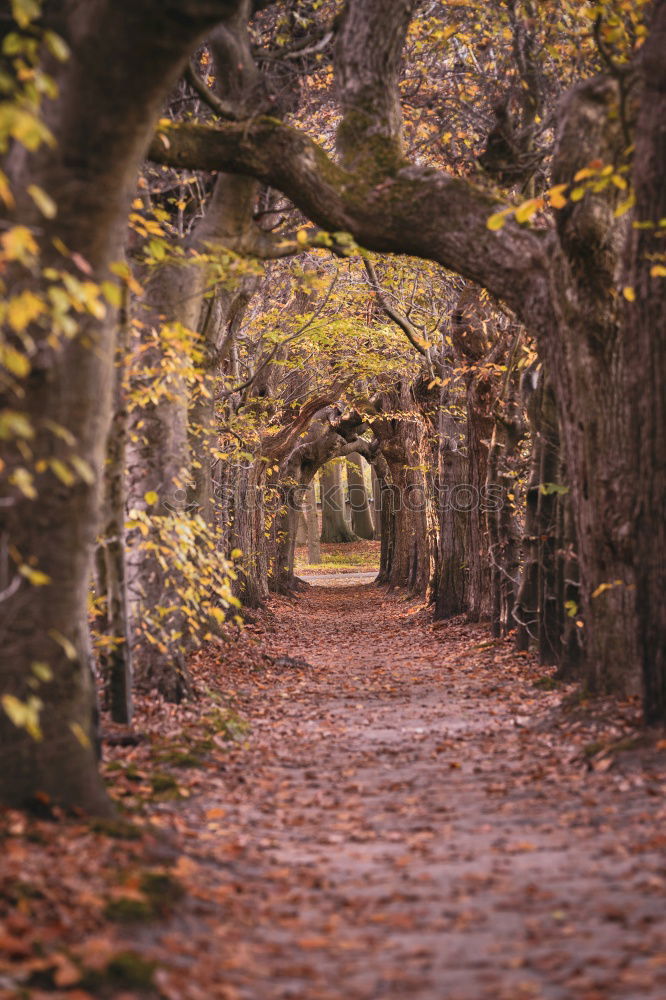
(361, 806)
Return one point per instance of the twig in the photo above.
(408, 328)
(220, 107)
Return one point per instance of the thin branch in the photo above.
(408, 328)
(220, 107)
(309, 45)
(287, 340)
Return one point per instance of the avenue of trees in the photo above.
(243, 243)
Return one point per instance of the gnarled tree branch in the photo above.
(415, 210)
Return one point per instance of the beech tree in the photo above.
(586, 282)
(579, 264)
(361, 516)
(99, 126)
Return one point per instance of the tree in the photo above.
(580, 264)
(585, 282)
(334, 526)
(361, 517)
(100, 122)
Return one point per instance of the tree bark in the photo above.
(115, 654)
(334, 527)
(312, 524)
(376, 503)
(565, 285)
(361, 517)
(101, 120)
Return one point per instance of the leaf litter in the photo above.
(359, 804)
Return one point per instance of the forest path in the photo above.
(404, 822)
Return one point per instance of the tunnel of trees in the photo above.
(250, 249)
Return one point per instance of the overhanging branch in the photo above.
(416, 210)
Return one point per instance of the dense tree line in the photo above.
(202, 313)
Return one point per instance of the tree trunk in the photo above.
(376, 504)
(115, 652)
(301, 529)
(312, 524)
(479, 432)
(102, 120)
(159, 480)
(550, 636)
(248, 531)
(361, 517)
(334, 527)
(453, 579)
(644, 365)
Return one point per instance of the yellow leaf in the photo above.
(556, 196)
(15, 424)
(65, 644)
(83, 469)
(23, 309)
(497, 220)
(35, 576)
(42, 671)
(302, 237)
(24, 714)
(528, 208)
(625, 205)
(14, 361)
(25, 11)
(5, 191)
(43, 201)
(18, 243)
(80, 734)
(151, 497)
(56, 45)
(64, 474)
(658, 271)
(112, 293)
(23, 480)
(629, 293)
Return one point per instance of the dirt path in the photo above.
(405, 823)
